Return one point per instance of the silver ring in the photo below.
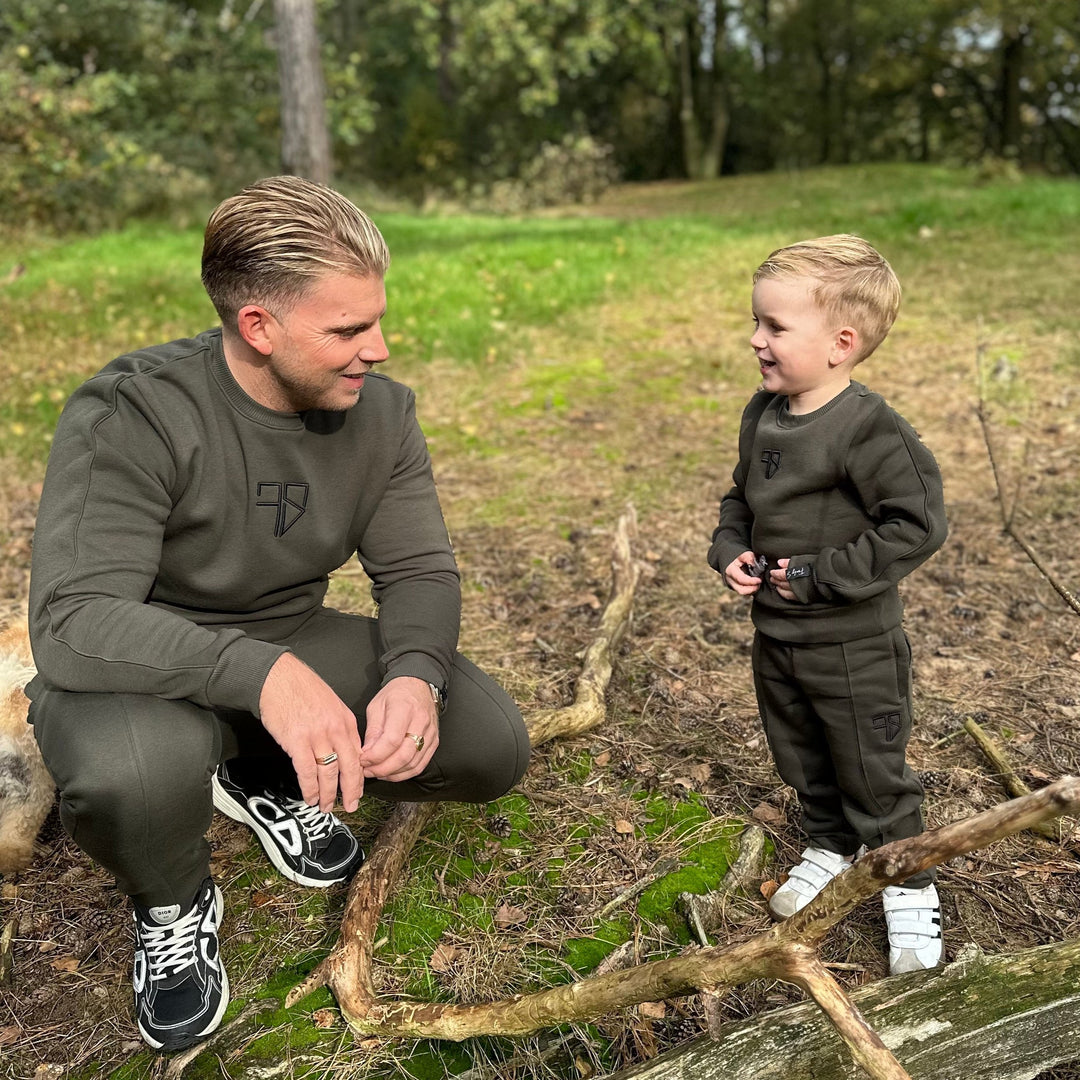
(328, 760)
(417, 739)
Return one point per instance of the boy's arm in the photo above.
(732, 537)
(899, 485)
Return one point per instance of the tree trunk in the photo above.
(1003, 1017)
(688, 114)
(305, 140)
(1012, 66)
(713, 155)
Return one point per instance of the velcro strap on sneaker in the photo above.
(900, 927)
(907, 903)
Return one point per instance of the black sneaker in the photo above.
(181, 989)
(306, 845)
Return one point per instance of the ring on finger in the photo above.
(329, 759)
(417, 739)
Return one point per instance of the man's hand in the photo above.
(310, 722)
(399, 717)
(737, 575)
(778, 580)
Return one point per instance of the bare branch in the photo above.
(865, 1044)
(1007, 774)
(1008, 514)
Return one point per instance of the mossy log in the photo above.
(1003, 1017)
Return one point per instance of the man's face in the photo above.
(325, 345)
(793, 338)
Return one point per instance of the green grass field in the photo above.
(484, 291)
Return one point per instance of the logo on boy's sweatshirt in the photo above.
(771, 459)
(889, 723)
(288, 499)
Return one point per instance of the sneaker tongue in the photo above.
(165, 915)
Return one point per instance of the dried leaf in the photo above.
(768, 888)
(685, 782)
(767, 815)
(444, 956)
(65, 963)
(324, 1018)
(701, 772)
(653, 1010)
(623, 827)
(602, 759)
(9, 1035)
(508, 915)
(584, 1068)
(261, 899)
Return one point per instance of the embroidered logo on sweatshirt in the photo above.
(771, 459)
(889, 723)
(288, 499)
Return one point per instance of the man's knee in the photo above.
(113, 756)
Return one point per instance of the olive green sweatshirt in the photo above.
(185, 531)
(849, 494)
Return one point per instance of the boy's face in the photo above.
(796, 343)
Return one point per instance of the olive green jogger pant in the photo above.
(133, 770)
(838, 719)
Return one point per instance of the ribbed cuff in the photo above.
(241, 670)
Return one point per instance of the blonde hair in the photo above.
(269, 244)
(854, 283)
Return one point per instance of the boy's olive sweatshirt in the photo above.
(849, 494)
(185, 530)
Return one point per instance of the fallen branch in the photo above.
(995, 1017)
(347, 970)
(1007, 775)
(785, 951)
(705, 911)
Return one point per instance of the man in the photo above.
(197, 496)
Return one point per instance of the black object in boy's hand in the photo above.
(757, 568)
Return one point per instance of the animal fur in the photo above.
(26, 789)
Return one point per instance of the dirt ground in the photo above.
(991, 640)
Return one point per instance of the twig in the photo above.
(661, 869)
(1007, 774)
(1008, 513)
(7, 940)
(229, 1033)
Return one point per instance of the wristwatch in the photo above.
(438, 695)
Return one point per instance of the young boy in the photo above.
(834, 500)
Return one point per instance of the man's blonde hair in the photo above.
(853, 283)
(271, 242)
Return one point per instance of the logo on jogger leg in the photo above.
(889, 723)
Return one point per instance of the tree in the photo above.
(305, 140)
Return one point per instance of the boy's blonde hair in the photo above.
(271, 242)
(854, 283)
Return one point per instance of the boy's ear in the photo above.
(845, 345)
(256, 325)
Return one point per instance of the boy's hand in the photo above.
(738, 575)
(778, 580)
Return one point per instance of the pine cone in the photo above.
(933, 779)
(499, 825)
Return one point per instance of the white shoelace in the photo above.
(170, 948)
(314, 822)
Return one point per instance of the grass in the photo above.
(484, 291)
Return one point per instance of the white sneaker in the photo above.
(913, 917)
(805, 881)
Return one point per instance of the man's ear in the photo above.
(845, 345)
(256, 326)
